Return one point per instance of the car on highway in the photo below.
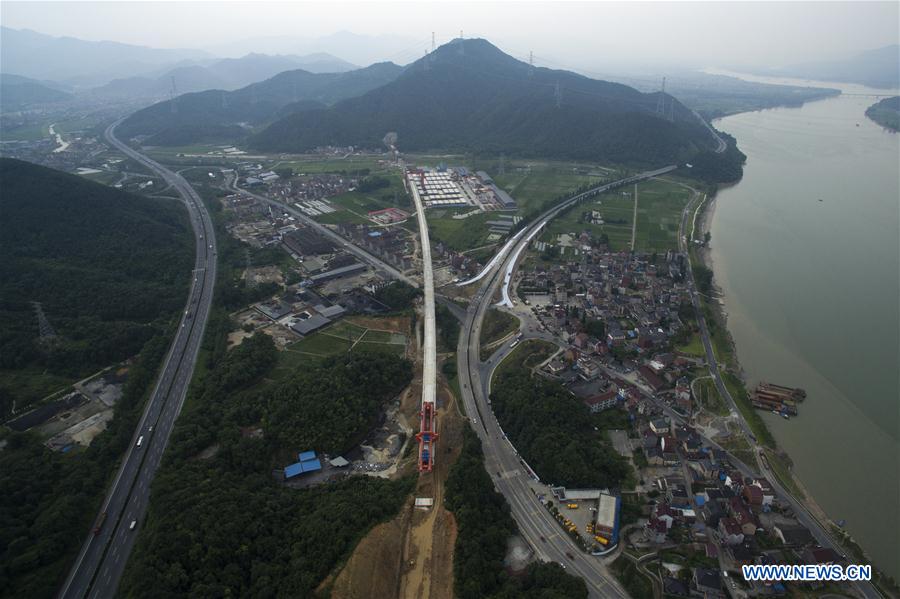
(133, 525)
(140, 441)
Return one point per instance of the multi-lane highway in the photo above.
(502, 461)
(101, 561)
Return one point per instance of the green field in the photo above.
(24, 133)
(693, 347)
(341, 337)
(660, 204)
(307, 165)
(459, 234)
(535, 184)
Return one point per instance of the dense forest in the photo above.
(554, 433)
(478, 99)
(397, 295)
(484, 525)
(221, 525)
(48, 500)
(109, 268)
(726, 167)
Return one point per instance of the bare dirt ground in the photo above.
(411, 555)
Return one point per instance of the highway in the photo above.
(511, 476)
(101, 561)
(821, 534)
(720, 143)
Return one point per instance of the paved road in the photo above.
(99, 566)
(720, 143)
(511, 475)
(360, 253)
(822, 535)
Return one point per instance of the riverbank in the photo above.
(779, 460)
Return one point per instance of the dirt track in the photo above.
(412, 555)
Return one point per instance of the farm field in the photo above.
(660, 204)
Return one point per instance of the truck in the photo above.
(99, 524)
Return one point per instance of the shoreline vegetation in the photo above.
(780, 461)
(886, 113)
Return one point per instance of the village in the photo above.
(697, 513)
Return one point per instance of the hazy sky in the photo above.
(573, 33)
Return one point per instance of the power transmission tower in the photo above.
(432, 41)
(174, 95)
(661, 101)
(530, 63)
(671, 109)
(462, 49)
(558, 94)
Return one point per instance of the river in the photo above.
(806, 250)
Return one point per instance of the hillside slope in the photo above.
(18, 92)
(103, 263)
(470, 96)
(225, 115)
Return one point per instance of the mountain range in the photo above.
(223, 74)
(17, 92)
(470, 96)
(80, 62)
(226, 115)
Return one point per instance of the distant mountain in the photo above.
(875, 68)
(358, 49)
(225, 115)
(225, 74)
(17, 92)
(42, 56)
(470, 96)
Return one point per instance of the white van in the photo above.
(140, 440)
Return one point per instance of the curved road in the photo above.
(511, 475)
(99, 566)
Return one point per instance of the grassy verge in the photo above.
(496, 326)
(709, 397)
(742, 399)
(528, 354)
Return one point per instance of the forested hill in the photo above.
(18, 92)
(103, 263)
(222, 115)
(470, 96)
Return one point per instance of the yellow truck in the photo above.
(572, 506)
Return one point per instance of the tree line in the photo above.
(484, 525)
